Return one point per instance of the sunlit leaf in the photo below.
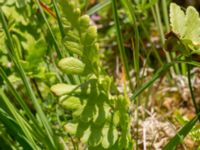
(186, 28)
(71, 65)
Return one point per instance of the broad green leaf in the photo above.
(186, 27)
(83, 131)
(177, 19)
(86, 135)
(62, 89)
(192, 26)
(13, 15)
(77, 113)
(71, 65)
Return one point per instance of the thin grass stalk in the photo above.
(8, 141)
(21, 102)
(58, 17)
(166, 20)
(15, 126)
(58, 51)
(14, 113)
(17, 96)
(165, 15)
(191, 89)
(158, 74)
(152, 44)
(194, 63)
(183, 67)
(98, 7)
(27, 83)
(120, 44)
(158, 21)
(160, 26)
(136, 42)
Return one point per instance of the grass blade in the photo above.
(12, 128)
(10, 108)
(59, 19)
(158, 74)
(27, 83)
(136, 54)
(181, 134)
(191, 90)
(120, 41)
(58, 51)
(37, 128)
(98, 7)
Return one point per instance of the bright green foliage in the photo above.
(99, 118)
(185, 35)
(62, 89)
(80, 37)
(71, 65)
(28, 39)
(195, 133)
(35, 51)
(97, 115)
(177, 19)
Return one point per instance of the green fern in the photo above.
(100, 119)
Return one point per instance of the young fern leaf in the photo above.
(95, 112)
(71, 65)
(81, 37)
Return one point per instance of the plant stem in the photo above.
(120, 43)
(62, 31)
(157, 18)
(158, 74)
(166, 21)
(136, 40)
(191, 90)
(58, 51)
